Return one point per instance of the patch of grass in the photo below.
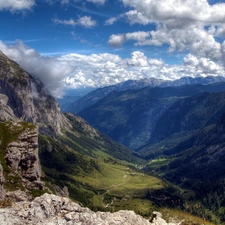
(142, 207)
(172, 215)
(36, 193)
(7, 202)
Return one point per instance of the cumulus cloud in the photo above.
(16, 5)
(99, 70)
(179, 13)
(195, 39)
(184, 26)
(117, 40)
(85, 21)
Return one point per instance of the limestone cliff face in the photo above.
(24, 98)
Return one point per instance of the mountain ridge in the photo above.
(129, 117)
(96, 95)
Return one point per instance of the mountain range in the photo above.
(177, 131)
(131, 117)
(94, 96)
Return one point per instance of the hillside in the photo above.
(190, 152)
(130, 117)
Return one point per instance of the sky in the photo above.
(95, 43)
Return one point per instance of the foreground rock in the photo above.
(51, 209)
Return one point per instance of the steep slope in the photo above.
(176, 128)
(205, 159)
(130, 117)
(190, 114)
(23, 98)
(189, 150)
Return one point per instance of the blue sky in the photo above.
(81, 43)
(39, 29)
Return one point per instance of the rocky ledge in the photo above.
(50, 209)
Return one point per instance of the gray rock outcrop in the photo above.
(5, 111)
(51, 210)
(22, 155)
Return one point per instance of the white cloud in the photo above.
(202, 66)
(183, 25)
(101, 2)
(51, 71)
(111, 21)
(133, 16)
(16, 5)
(98, 70)
(117, 40)
(137, 17)
(195, 39)
(85, 21)
(179, 13)
(65, 22)
(138, 36)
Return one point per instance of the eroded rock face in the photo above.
(22, 155)
(52, 209)
(5, 111)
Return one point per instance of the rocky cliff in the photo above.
(51, 209)
(20, 168)
(22, 155)
(25, 98)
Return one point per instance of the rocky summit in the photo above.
(50, 209)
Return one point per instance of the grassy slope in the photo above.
(94, 177)
(102, 182)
